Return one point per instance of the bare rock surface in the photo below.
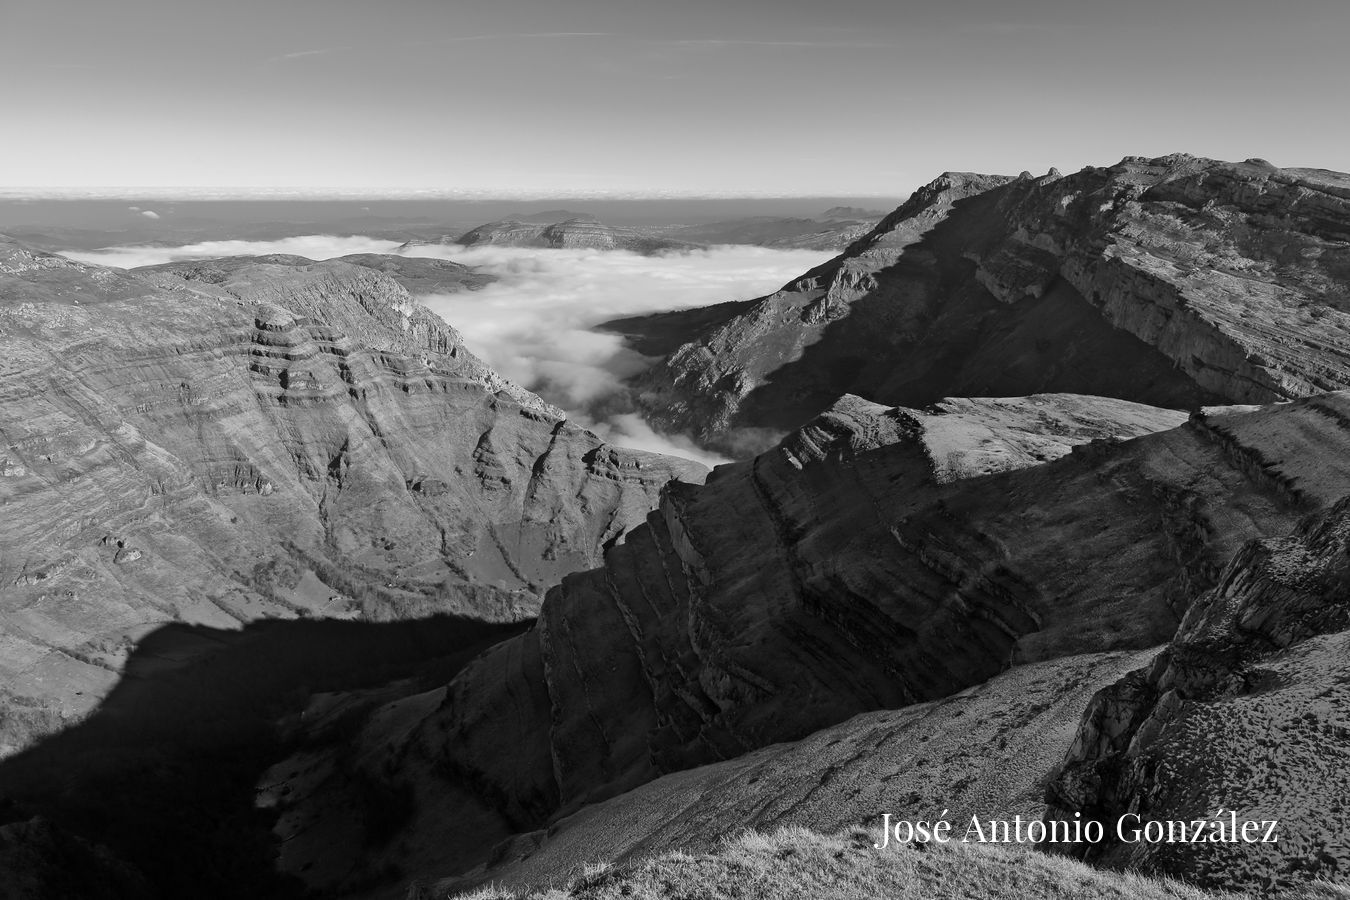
(1247, 712)
(217, 442)
(1174, 281)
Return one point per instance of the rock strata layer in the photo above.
(217, 442)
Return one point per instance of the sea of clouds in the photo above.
(535, 324)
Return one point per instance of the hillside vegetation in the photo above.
(799, 863)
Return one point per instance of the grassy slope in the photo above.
(798, 864)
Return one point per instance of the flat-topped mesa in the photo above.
(219, 442)
(583, 232)
(1174, 281)
(878, 558)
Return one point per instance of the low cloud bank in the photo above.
(534, 324)
(311, 246)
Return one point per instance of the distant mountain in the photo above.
(574, 233)
(852, 212)
(838, 227)
(548, 216)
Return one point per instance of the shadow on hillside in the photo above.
(930, 330)
(164, 772)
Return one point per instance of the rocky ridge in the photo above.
(878, 559)
(1174, 281)
(218, 442)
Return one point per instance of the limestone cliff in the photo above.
(217, 442)
(1174, 281)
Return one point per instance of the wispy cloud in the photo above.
(510, 35)
(437, 42)
(306, 54)
(735, 42)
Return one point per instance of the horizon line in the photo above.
(191, 192)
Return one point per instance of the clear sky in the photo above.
(684, 96)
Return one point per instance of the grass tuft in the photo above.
(796, 864)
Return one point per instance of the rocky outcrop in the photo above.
(1174, 281)
(877, 559)
(1247, 712)
(216, 442)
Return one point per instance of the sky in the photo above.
(639, 97)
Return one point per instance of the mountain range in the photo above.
(1040, 508)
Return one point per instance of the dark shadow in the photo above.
(661, 333)
(164, 772)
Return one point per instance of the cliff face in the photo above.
(879, 558)
(1176, 281)
(223, 441)
(1247, 711)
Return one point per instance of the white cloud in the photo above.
(312, 246)
(150, 214)
(534, 325)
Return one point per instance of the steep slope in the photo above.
(877, 559)
(1246, 712)
(1175, 281)
(982, 752)
(218, 442)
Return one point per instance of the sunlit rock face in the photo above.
(1174, 281)
(216, 442)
